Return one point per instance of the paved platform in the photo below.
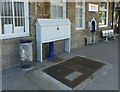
(35, 79)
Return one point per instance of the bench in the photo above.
(108, 34)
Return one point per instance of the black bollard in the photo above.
(85, 41)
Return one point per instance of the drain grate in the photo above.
(74, 71)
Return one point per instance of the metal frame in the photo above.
(105, 10)
(61, 4)
(83, 15)
(19, 18)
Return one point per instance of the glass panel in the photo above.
(19, 8)
(77, 9)
(2, 22)
(103, 5)
(80, 13)
(7, 21)
(77, 23)
(3, 9)
(19, 13)
(79, 3)
(57, 8)
(80, 22)
(10, 12)
(53, 12)
(79, 16)
(102, 18)
(23, 22)
(19, 21)
(7, 9)
(16, 9)
(60, 12)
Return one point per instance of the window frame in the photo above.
(104, 10)
(83, 14)
(26, 21)
(54, 3)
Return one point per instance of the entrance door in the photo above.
(93, 27)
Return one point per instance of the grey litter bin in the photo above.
(25, 52)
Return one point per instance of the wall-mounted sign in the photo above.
(93, 7)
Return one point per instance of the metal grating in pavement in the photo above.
(74, 71)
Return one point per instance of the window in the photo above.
(80, 14)
(14, 19)
(103, 13)
(58, 9)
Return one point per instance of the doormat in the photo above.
(74, 71)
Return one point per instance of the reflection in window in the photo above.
(58, 9)
(103, 13)
(102, 18)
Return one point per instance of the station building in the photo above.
(18, 18)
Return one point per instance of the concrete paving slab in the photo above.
(45, 81)
(13, 79)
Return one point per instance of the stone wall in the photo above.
(10, 53)
(77, 39)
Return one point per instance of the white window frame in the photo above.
(55, 3)
(105, 10)
(26, 25)
(83, 14)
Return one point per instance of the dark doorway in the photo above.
(93, 27)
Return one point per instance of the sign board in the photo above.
(93, 7)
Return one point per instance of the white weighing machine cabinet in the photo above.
(50, 30)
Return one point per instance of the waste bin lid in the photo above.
(25, 41)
